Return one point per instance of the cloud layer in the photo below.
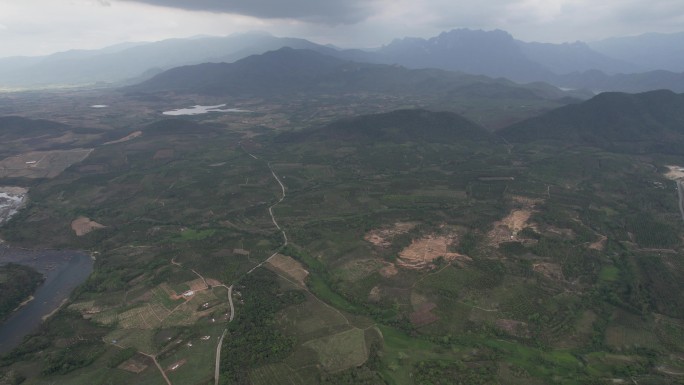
(32, 27)
(317, 11)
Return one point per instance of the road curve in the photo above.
(230, 288)
(218, 354)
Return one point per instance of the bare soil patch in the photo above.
(507, 229)
(126, 138)
(83, 226)
(291, 268)
(41, 164)
(375, 295)
(383, 237)
(675, 172)
(423, 252)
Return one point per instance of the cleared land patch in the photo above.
(383, 237)
(41, 164)
(675, 172)
(423, 252)
(83, 226)
(126, 138)
(288, 266)
(507, 229)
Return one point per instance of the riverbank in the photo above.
(63, 271)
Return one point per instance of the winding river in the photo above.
(63, 271)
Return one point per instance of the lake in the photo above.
(63, 271)
(198, 109)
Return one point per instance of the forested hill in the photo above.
(17, 283)
(626, 122)
(399, 126)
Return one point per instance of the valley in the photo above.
(340, 227)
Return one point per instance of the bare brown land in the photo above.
(126, 138)
(83, 226)
(423, 252)
(507, 229)
(675, 172)
(383, 237)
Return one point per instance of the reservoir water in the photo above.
(198, 110)
(63, 271)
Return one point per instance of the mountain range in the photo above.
(290, 72)
(626, 64)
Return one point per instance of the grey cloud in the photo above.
(318, 11)
(637, 12)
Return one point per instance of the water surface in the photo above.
(63, 271)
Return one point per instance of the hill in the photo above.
(402, 126)
(131, 61)
(630, 122)
(288, 71)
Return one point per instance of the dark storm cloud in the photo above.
(318, 11)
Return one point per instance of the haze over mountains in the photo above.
(626, 64)
(290, 71)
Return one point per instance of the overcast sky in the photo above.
(37, 27)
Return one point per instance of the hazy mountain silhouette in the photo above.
(288, 71)
(130, 61)
(652, 51)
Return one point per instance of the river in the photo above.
(63, 271)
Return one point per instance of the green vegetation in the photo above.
(552, 264)
(251, 340)
(17, 283)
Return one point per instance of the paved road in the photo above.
(218, 353)
(230, 288)
(680, 191)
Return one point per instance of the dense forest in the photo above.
(17, 283)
